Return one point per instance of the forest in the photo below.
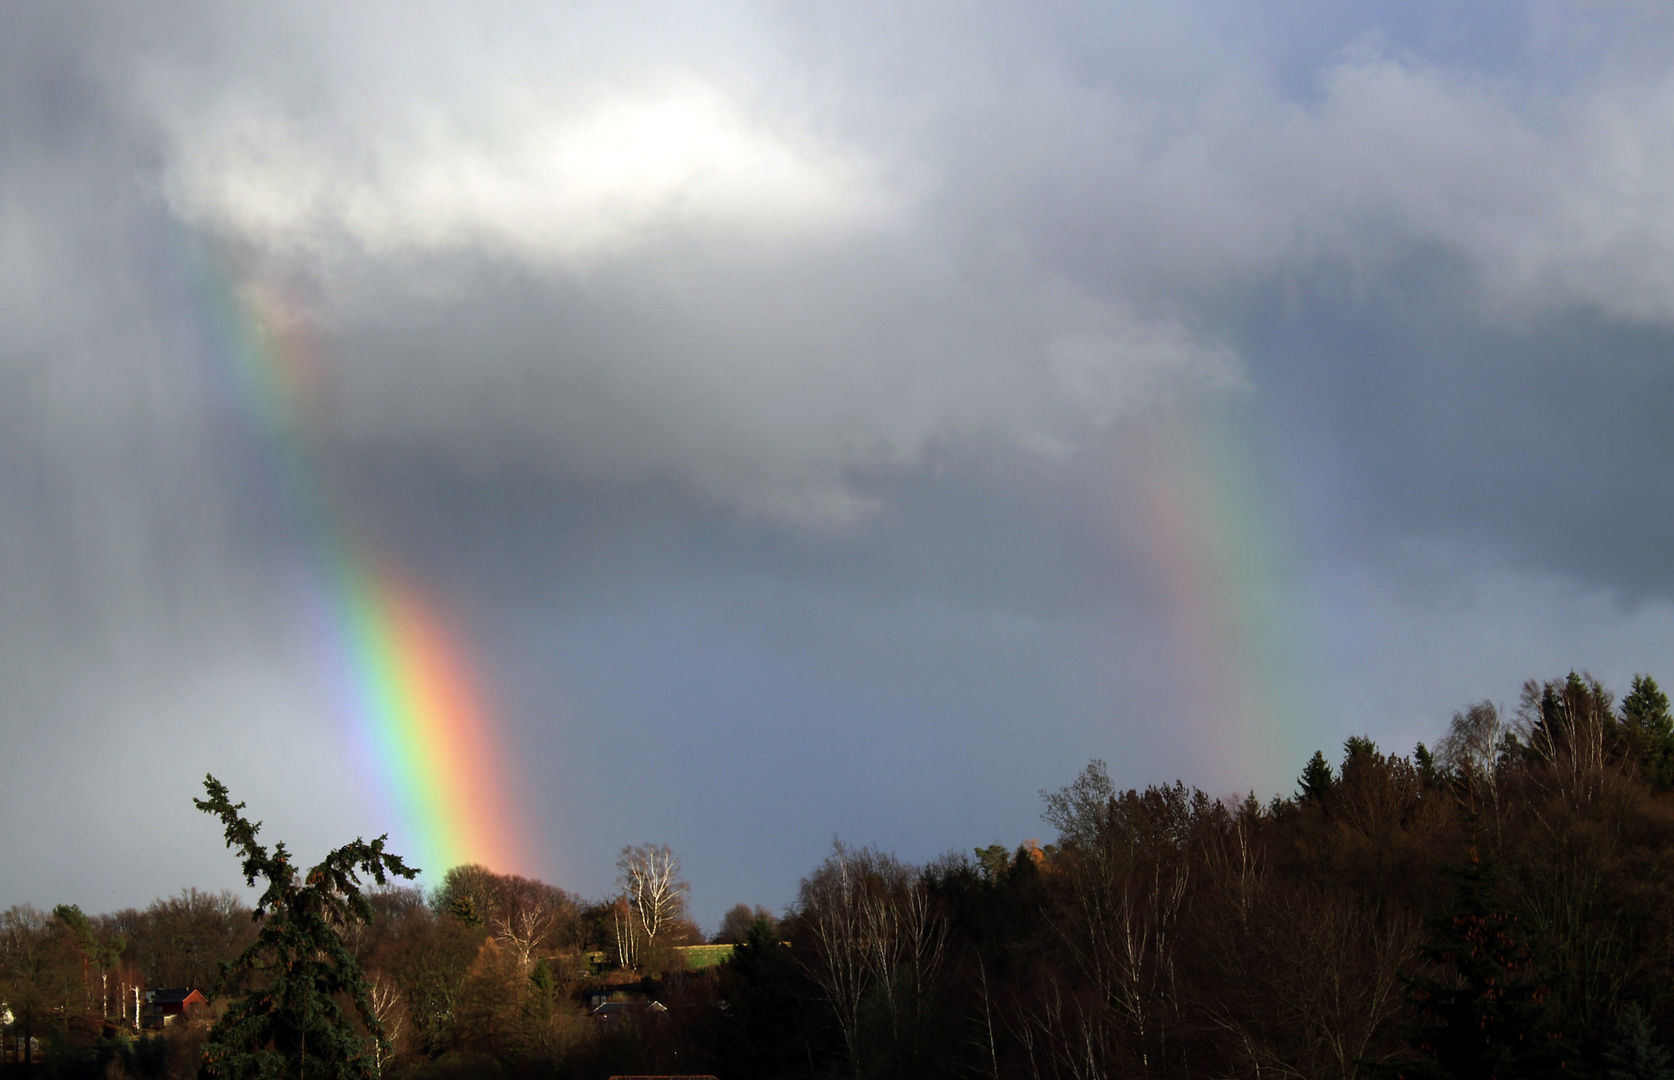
(1498, 905)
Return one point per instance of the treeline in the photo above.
(1499, 905)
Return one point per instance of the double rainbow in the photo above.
(401, 681)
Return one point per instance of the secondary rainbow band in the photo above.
(403, 685)
(1200, 515)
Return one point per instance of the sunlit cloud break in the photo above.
(546, 177)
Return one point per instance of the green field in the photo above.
(698, 957)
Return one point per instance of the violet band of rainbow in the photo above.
(397, 673)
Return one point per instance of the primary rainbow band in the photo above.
(402, 683)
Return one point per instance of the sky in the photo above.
(801, 421)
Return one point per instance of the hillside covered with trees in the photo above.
(1501, 904)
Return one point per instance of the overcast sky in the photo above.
(820, 419)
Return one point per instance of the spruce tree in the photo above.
(1316, 780)
(291, 1023)
(1428, 771)
(1649, 729)
(1633, 1054)
(1482, 1000)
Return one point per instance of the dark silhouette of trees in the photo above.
(875, 938)
(764, 1021)
(1485, 1009)
(740, 920)
(182, 940)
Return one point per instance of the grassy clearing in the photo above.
(698, 957)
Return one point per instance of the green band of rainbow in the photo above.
(402, 684)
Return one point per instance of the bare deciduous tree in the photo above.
(527, 913)
(1125, 888)
(522, 912)
(625, 933)
(655, 891)
(877, 937)
(830, 903)
(1566, 723)
(386, 1006)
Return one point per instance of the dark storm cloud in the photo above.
(754, 381)
(1545, 443)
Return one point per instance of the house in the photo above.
(164, 1007)
(612, 1013)
(650, 988)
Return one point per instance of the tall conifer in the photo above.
(291, 1023)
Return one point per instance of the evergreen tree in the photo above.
(1647, 705)
(1359, 748)
(1649, 731)
(1632, 1055)
(1429, 773)
(1316, 780)
(292, 1024)
(994, 860)
(764, 1031)
(464, 908)
(1484, 1004)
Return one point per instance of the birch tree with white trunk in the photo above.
(651, 881)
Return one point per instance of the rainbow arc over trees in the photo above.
(401, 680)
(1201, 514)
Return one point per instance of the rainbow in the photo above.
(1198, 511)
(400, 679)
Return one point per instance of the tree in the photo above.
(467, 893)
(1649, 731)
(427, 955)
(1125, 879)
(1471, 747)
(739, 920)
(385, 997)
(831, 909)
(28, 973)
(522, 912)
(655, 892)
(182, 940)
(875, 945)
(1429, 773)
(763, 1031)
(1647, 706)
(1569, 724)
(1316, 780)
(1078, 811)
(1632, 1054)
(1486, 1016)
(994, 859)
(292, 1024)
(72, 926)
(529, 913)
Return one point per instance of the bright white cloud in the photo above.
(542, 174)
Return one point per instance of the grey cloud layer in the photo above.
(654, 256)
